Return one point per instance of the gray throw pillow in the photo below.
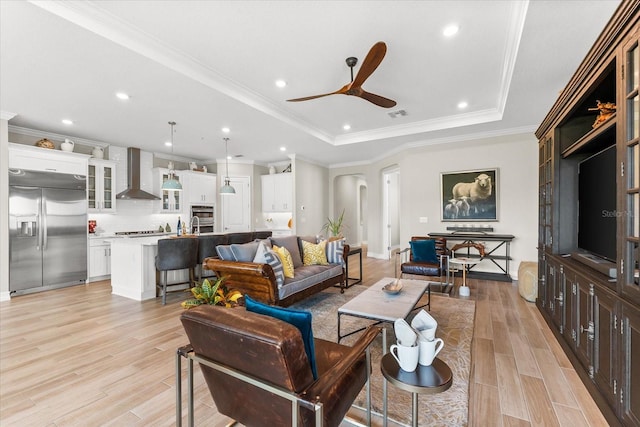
(292, 245)
(224, 253)
(244, 252)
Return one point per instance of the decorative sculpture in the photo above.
(607, 109)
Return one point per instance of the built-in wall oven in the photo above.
(206, 217)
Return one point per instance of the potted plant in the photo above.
(334, 227)
(216, 294)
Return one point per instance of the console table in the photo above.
(498, 255)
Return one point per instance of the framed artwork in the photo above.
(469, 195)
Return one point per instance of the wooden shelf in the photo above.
(592, 135)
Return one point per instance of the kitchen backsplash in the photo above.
(134, 215)
(276, 220)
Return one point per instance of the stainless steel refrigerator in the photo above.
(47, 230)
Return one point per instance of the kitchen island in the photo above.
(133, 270)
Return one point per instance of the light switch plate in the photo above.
(424, 219)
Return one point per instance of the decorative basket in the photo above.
(45, 143)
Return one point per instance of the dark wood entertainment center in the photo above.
(596, 318)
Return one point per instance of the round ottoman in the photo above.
(528, 280)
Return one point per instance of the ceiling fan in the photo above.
(371, 62)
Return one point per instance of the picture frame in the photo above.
(469, 195)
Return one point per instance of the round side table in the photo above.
(425, 379)
(464, 262)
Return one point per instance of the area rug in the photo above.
(455, 326)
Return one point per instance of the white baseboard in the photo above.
(376, 255)
(5, 296)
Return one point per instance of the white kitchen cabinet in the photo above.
(101, 180)
(170, 201)
(47, 160)
(277, 193)
(99, 259)
(200, 188)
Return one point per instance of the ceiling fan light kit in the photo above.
(371, 62)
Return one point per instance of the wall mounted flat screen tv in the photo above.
(597, 204)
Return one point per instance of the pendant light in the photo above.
(172, 184)
(227, 189)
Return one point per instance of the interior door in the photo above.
(391, 211)
(236, 209)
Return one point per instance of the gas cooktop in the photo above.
(140, 233)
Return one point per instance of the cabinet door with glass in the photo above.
(629, 203)
(545, 193)
(170, 200)
(101, 196)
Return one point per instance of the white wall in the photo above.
(516, 158)
(311, 197)
(346, 190)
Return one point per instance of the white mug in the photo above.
(406, 356)
(425, 324)
(429, 350)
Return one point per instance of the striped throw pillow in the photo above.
(334, 251)
(264, 255)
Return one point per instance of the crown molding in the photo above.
(466, 119)
(91, 17)
(516, 28)
(7, 115)
(523, 130)
(56, 136)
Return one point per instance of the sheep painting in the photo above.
(469, 195)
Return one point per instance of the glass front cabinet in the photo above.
(170, 201)
(101, 195)
(630, 172)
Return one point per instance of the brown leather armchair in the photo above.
(246, 356)
(432, 269)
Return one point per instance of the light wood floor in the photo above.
(82, 357)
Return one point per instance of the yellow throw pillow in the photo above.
(313, 254)
(285, 258)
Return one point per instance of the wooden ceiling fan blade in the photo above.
(373, 59)
(307, 98)
(377, 99)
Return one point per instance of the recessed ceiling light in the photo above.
(168, 143)
(346, 127)
(281, 83)
(67, 121)
(283, 148)
(226, 130)
(450, 30)
(123, 96)
(462, 105)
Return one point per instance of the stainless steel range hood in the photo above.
(133, 191)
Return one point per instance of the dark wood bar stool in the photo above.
(176, 254)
